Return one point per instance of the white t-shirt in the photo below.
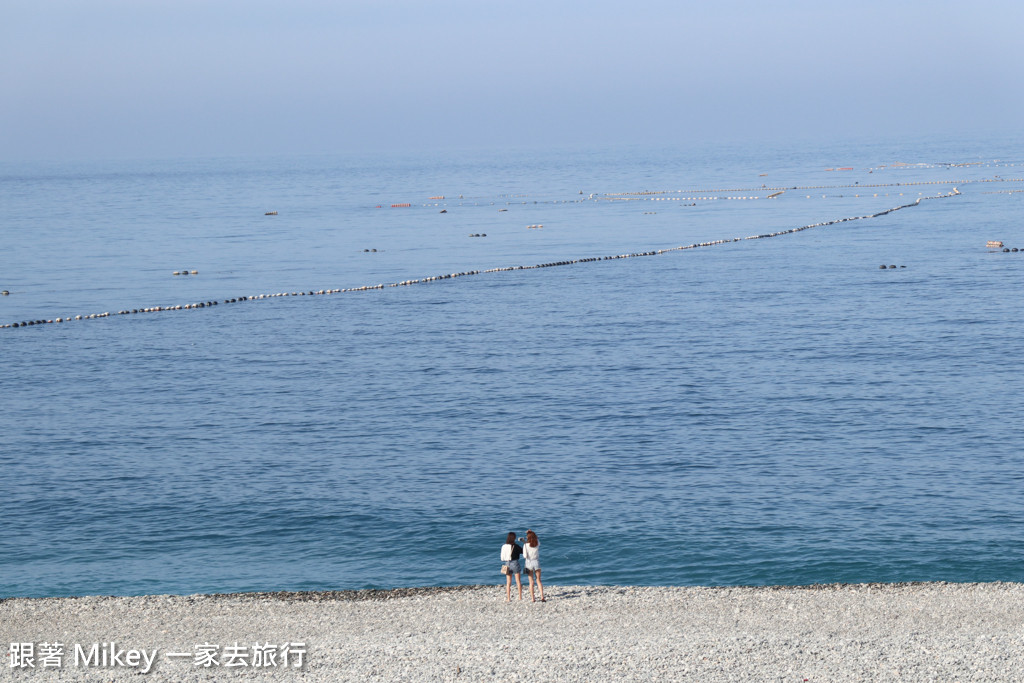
(531, 552)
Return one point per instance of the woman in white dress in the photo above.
(531, 551)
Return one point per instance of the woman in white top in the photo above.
(510, 554)
(531, 551)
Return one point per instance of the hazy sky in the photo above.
(138, 78)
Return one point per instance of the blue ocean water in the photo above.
(772, 411)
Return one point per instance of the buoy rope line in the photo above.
(709, 194)
(807, 187)
(448, 276)
(901, 166)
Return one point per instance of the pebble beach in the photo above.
(840, 632)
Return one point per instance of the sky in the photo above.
(158, 78)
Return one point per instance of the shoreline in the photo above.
(378, 594)
(821, 632)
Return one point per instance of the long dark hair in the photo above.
(511, 538)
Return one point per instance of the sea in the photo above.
(835, 404)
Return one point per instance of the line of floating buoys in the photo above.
(534, 227)
(998, 244)
(899, 165)
(270, 213)
(717, 193)
(186, 272)
(677, 199)
(448, 276)
(808, 227)
(651, 194)
(884, 267)
(479, 234)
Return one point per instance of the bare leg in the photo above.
(541, 585)
(533, 595)
(519, 582)
(508, 587)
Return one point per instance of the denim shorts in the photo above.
(513, 567)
